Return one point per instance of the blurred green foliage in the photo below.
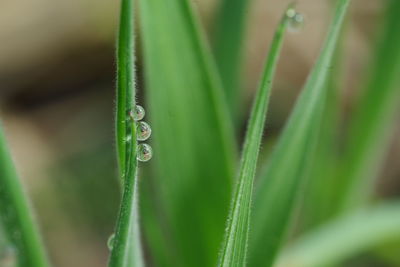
(323, 197)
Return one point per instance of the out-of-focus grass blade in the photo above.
(228, 45)
(279, 186)
(235, 245)
(15, 215)
(126, 247)
(374, 117)
(344, 237)
(319, 193)
(153, 228)
(194, 148)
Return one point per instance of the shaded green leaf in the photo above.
(194, 148)
(228, 45)
(374, 117)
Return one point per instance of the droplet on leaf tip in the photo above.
(296, 20)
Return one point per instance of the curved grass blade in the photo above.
(15, 215)
(194, 147)
(126, 249)
(228, 46)
(374, 118)
(125, 95)
(276, 194)
(344, 237)
(235, 244)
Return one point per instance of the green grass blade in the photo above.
(374, 117)
(344, 237)
(125, 80)
(15, 214)
(318, 199)
(235, 244)
(126, 249)
(194, 147)
(276, 194)
(228, 46)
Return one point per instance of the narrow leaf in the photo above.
(276, 194)
(228, 48)
(345, 237)
(126, 247)
(125, 95)
(15, 215)
(235, 244)
(374, 118)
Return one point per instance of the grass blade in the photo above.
(318, 199)
(193, 139)
(235, 244)
(228, 46)
(125, 80)
(276, 193)
(15, 214)
(374, 118)
(344, 237)
(126, 249)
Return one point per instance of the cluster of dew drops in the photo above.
(143, 132)
(296, 20)
(144, 151)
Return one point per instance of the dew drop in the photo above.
(145, 152)
(110, 241)
(137, 113)
(143, 131)
(296, 20)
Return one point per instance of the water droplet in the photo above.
(137, 113)
(145, 152)
(296, 20)
(143, 131)
(110, 241)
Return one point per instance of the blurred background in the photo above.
(57, 75)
